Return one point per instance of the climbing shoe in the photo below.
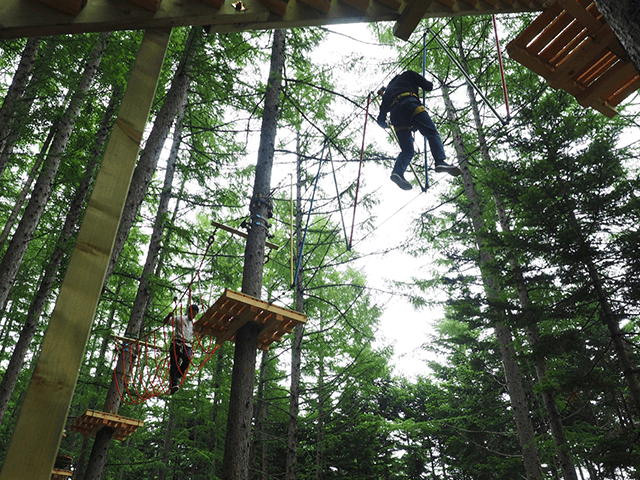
(445, 167)
(400, 181)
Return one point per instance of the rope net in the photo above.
(142, 366)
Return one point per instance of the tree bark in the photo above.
(42, 190)
(16, 90)
(513, 376)
(26, 188)
(296, 348)
(237, 443)
(39, 301)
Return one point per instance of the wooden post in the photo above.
(36, 439)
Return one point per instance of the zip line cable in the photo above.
(335, 180)
(504, 83)
(355, 203)
(466, 75)
(304, 236)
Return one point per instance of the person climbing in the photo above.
(407, 114)
(181, 345)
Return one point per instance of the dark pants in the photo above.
(405, 122)
(180, 357)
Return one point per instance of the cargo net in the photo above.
(142, 366)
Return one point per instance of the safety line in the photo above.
(355, 203)
(304, 237)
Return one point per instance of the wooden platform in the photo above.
(573, 47)
(91, 421)
(37, 18)
(232, 310)
(58, 474)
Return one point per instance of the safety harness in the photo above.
(417, 110)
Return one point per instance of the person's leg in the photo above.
(174, 375)
(405, 140)
(427, 128)
(185, 359)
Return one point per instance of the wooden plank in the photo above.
(623, 90)
(605, 82)
(587, 53)
(36, 438)
(91, 421)
(361, 5)
(233, 310)
(68, 7)
(547, 35)
(240, 233)
(535, 28)
(393, 4)
(151, 5)
(279, 7)
(321, 5)
(29, 18)
(410, 17)
(216, 3)
(568, 39)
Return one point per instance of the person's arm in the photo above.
(168, 319)
(384, 109)
(422, 82)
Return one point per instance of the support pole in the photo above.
(36, 438)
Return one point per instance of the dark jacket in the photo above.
(408, 81)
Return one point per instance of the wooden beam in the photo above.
(240, 233)
(30, 18)
(413, 12)
(68, 7)
(36, 438)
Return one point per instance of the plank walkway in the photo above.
(573, 47)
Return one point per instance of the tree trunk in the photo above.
(320, 425)
(260, 442)
(298, 332)
(143, 296)
(39, 301)
(167, 443)
(513, 376)
(550, 405)
(26, 188)
(16, 89)
(42, 190)
(609, 317)
(237, 442)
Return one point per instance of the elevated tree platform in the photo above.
(37, 18)
(232, 310)
(58, 474)
(573, 47)
(91, 421)
(62, 468)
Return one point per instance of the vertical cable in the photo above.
(355, 204)
(424, 100)
(504, 83)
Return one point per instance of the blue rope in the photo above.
(304, 237)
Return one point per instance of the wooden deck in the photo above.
(232, 310)
(573, 47)
(91, 421)
(37, 18)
